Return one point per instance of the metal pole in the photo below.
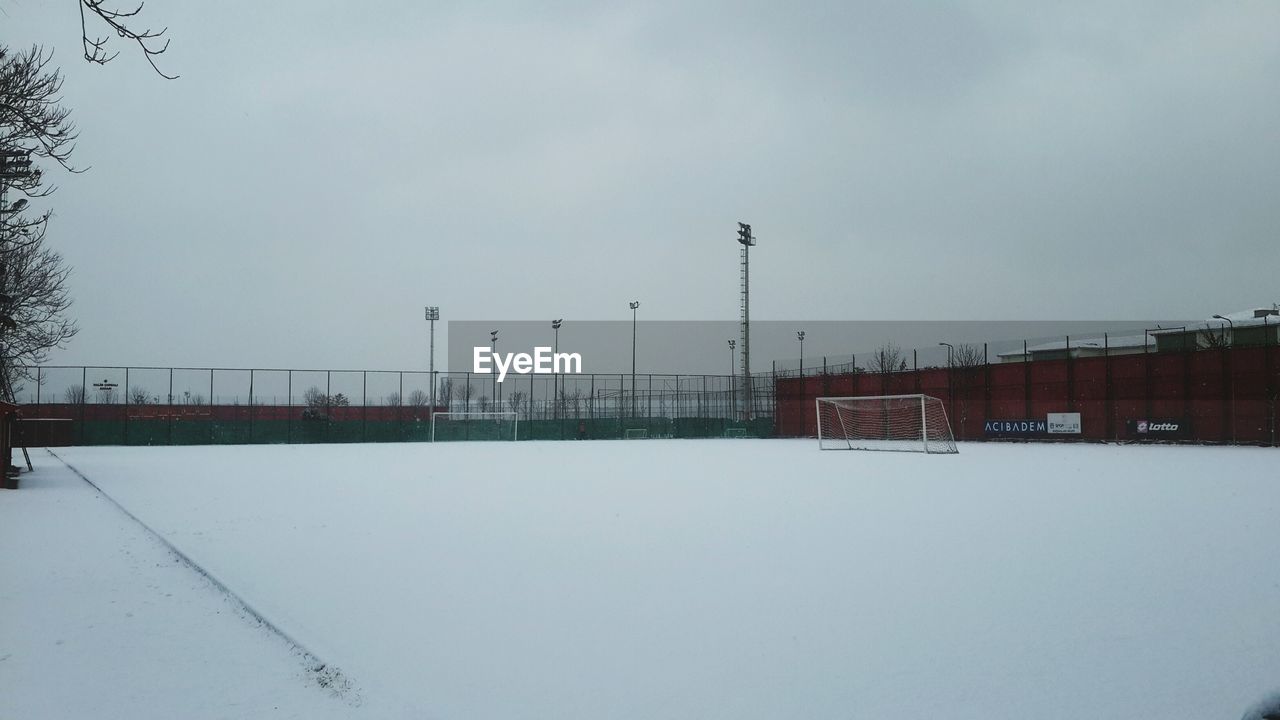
(633, 305)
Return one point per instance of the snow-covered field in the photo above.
(645, 579)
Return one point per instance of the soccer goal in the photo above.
(909, 423)
(446, 426)
(635, 434)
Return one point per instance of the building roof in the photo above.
(1117, 342)
(1240, 318)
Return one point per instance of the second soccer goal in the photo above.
(447, 426)
(909, 423)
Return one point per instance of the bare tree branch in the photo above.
(152, 43)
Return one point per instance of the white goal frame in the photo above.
(935, 439)
(511, 415)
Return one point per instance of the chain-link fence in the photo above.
(88, 405)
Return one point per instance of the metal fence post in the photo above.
(126, 406)
(84, 392)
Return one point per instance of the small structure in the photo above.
(8, 415)
(1247, 328)
(1082, 348)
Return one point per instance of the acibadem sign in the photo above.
(1053, 424)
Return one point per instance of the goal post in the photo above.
(906, 423)
(447, 426)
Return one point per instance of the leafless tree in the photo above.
(73, 395)
(32, 117)
(464, 392)
(313, 397)
(190, 398)
(1215, 339)
(106, 395)
(140, 396)
(32, 122)
(967, 356)
(35, 279)
(123, 22)
(393, 400)
(516, 400)
(887, 359)
(445, 395)
(419, 399)
(483, 402)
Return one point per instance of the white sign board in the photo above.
(1064, 423)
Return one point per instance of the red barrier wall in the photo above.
(1226, 395)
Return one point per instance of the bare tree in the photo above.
(32, 278)
(106, 395)
(1215, 340)
(35, 280)
(967, 355)
(73, 395)
(123, 23)
(140, 396)
(189, 398)
(445, 396)
(393, 400)
(464, 391)
(887, 359)
(312, 397)
(483, 402)
(516, 400)
(419, 399)
(32, 117)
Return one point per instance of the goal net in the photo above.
(911, 423)
(446, 426)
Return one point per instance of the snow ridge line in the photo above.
(325, 675)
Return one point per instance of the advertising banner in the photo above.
(1023, 428)
(1064, 423)
(1160, 429)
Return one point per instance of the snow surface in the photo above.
(646, 579)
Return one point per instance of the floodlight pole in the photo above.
(633, 305)
(733, 379)
(746, 239)
(493, 342)
(800, 337)
(1230, 347)
(433, 314)
(555, 378)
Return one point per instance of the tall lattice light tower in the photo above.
(746, 239)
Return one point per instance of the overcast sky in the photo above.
(323, 170)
